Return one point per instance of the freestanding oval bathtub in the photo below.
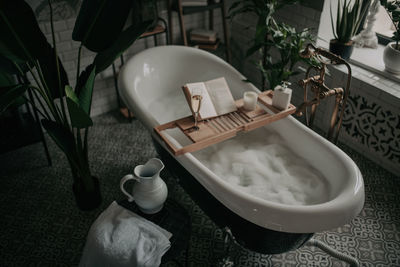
(310, 185)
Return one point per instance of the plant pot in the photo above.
(87, 200)
(391, 58)
(341, 49)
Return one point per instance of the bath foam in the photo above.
(259, 164)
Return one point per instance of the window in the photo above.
(366, 58)
(383, 26)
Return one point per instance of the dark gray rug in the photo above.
(41, 225)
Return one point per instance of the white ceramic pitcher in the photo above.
(150, 191)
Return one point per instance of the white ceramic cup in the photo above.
(250, 100)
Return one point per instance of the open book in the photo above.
(216, 98)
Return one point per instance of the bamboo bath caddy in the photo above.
(218, 129)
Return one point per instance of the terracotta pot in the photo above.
(391, 58)
(87, 200)
(341, 49)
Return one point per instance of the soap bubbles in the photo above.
(259, 163)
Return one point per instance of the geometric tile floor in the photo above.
(41, 226)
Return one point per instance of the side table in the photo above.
(173, 218)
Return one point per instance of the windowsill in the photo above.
(372, 59)
(367, 65)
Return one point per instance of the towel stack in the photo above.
(120, 237)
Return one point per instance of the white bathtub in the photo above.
(153, 78)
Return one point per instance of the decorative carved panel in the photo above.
(374, 126)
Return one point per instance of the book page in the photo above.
(207, 109)
(221, 96)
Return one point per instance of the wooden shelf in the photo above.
(186, 10)
(206, 46)
(223, 127)
(157, 30)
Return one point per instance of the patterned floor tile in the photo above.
(41, 225)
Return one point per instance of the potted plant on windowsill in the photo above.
(348, 19)
(278, 44)
(391, 54)
(65, 110)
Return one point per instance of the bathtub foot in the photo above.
(229, 241)
(228, 237)
(333, 252)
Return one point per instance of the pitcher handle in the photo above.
(122, 182)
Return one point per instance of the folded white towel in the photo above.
(120, 237)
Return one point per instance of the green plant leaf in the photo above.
(342, 24)
(338, 18)
(9, 94)
(11, 67)
(85, 91)
(124, 40)
(49, 68)
(6, 79)
(100, 22)
(79, 118)
(13, 16)
(253, 49)
(363, 13)
(61, 136)
(9, 56)
(261, 33)
(23, 41)
(69, 92)
(332, 24)
(21, 34)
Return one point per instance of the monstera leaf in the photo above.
(100, 22)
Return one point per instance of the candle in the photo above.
(250, 100)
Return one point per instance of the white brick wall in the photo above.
(104, 95)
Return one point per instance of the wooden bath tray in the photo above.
(218, 129)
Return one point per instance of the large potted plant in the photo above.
(349, 15)
(65, 109)
(273, 38)
(391, 54)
